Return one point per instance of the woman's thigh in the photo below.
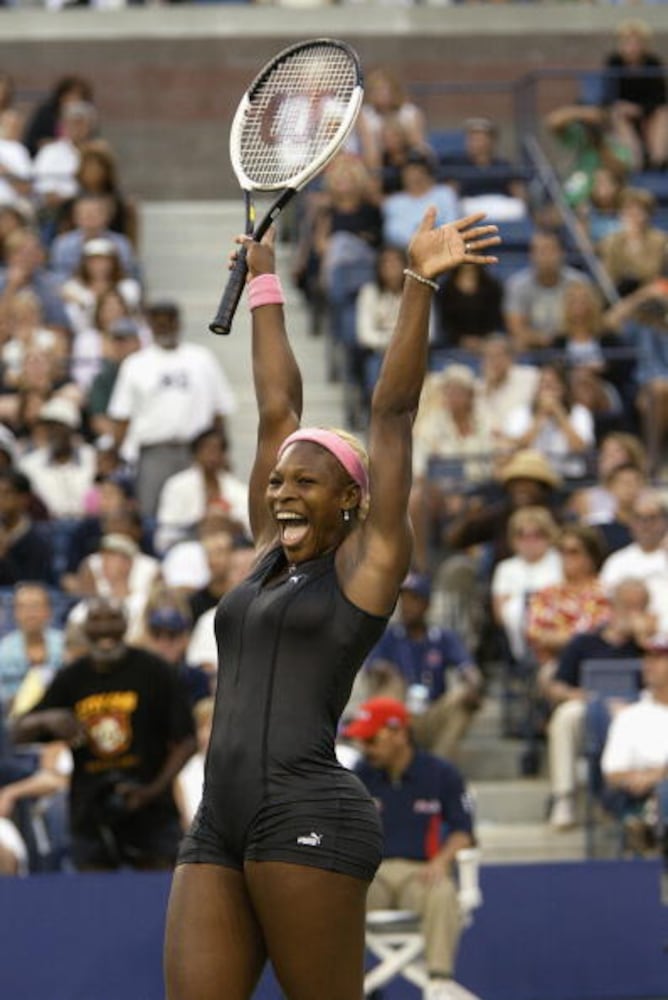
(214, 946)
(313, 924)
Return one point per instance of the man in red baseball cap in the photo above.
(374, 715)
(427, 819)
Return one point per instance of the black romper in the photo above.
(273, 790)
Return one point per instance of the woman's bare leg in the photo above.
(313, 923)
(214, 948)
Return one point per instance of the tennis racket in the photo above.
(292, 120)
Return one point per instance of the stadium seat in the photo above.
(447, 142)
(655, 181)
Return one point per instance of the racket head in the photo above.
(296, 115)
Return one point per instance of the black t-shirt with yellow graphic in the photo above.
(132, 714)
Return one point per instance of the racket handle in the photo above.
(222, 322)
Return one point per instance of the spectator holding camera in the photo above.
(126, 717)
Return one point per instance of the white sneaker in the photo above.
(562, 814)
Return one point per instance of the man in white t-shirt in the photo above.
(503, 385)
(62, 471)
(56, 164)
(15, 163)
(164, 396)
(635, 758)
(207, 482)
(646, 558)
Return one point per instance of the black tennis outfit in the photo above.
(274, 790)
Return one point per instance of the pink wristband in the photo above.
(265, 290)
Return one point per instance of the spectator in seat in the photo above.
(376, 312)
(100, 268)
(121, 339)
(164, 396)
(56, 164)
(126, 717)
(646, 558)
(43, 123)
(24, 268)
(428, 668)
(91, 214)
(468, 305)
(527, 479)
(554, 424)
(535, 564)
(636, 751)
(595, 504)
(385, 101)
(503, 384)
(578, 603)
(15, 164)
(98, 174)
(167, 630)
(118, 570)
(453, 428)
(599, 214)
(33, 646)
(489, 174)
(190, 779)
(621, 637)
(403, 211)
(218, 548)
(587, 343)
(63, 470)
(585, 131)
(637, 99)
(534, 296)
(207, 482)
(25, 550)
(427, 818)
(635, 254)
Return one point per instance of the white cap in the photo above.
(61, 410)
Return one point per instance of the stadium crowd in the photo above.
(539, 512)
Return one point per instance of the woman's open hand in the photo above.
(434, 250)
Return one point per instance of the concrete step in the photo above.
(520, 800)
(522, 843)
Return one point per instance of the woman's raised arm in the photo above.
(387, 536)
(276, 376)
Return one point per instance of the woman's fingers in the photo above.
(428, 219)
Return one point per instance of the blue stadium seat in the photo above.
(591, 87)
(655, 181)
(516, 234)
(447, 142)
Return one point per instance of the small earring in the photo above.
(345, 513)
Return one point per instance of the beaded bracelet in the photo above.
(421, 278)
(265, 290)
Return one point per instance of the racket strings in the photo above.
(296, 114)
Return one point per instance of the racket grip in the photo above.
(222, 322)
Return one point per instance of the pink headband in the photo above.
(338, 447)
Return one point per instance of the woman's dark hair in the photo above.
(561, 371)
(385, 249)
(591, 539)
(73, 81)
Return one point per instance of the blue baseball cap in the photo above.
(169, 619)
(417, 583)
